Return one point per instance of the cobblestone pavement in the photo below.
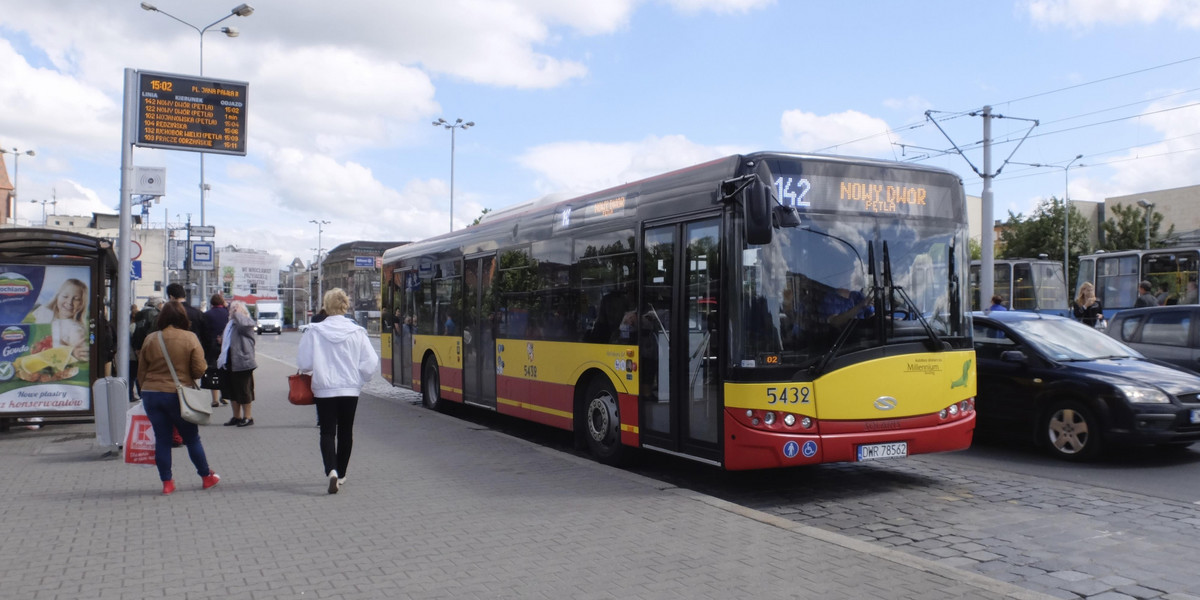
(1066, 540)
(434, 507)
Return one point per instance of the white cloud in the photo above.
(1083, 14)
(849, 132)
(581, 167)
(719, 6)
(50, 108)
(1170, 163)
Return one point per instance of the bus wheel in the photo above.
(1071, 431)
(602, 422)
(431, 386)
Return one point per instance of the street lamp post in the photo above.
(44, 203)
(16, 176)
(1149, 206)
(320, 262)
(1066, 215)
(241, 10)
(457, 124)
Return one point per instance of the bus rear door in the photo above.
(479, 331)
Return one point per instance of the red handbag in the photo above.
(300, 389)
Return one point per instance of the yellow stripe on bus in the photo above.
(534, 407)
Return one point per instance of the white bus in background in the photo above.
(1029, 284)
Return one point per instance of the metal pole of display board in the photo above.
(126, 223)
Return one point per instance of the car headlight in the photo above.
(1143, 395)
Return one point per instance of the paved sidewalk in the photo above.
(434, 507)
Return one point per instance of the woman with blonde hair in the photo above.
(1087, 308)
(341, 359)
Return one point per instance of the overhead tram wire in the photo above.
(1079, 85)
(1037, 95)
(948, 151)
(1010, 140)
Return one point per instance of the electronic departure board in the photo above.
(187, 113)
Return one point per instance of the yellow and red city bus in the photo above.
(756, 311)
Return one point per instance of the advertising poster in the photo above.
(251, 276)
(44, 338)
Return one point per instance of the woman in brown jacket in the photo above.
(158, 391)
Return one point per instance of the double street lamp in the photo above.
(16, 176)
(457, 124)
(241, 10)
(1066, 215)
(1149, 206)
(44, 203)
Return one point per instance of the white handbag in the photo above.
(195, 405)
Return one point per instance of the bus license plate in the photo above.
(1196, 415)
(882, 451)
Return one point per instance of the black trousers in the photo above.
(336, 417)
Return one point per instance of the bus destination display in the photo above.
(186, 113)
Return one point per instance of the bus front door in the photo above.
(678, 338)
(479, 331)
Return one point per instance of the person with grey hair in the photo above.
(1145, 297)
(237, 358)
(341, 359)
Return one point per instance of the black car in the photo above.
(1167, 333)
(1075, 389)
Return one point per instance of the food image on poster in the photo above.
(45, 338)
(54, 364)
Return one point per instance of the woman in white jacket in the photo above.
(342, 360)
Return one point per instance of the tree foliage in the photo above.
(1125, 228)
(1042, 233)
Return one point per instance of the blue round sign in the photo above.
(810, 449)
(790, 449)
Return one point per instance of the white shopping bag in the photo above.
(139, 436)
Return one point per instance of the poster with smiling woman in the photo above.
(45, 338)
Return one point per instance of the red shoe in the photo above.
(168, 487)
(211, 479)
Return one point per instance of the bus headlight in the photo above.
(806, 422)
(769, 418)
(953, 410)
(789, 419)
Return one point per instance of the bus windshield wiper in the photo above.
(910, 306)
(848, 328)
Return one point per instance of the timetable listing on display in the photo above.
(186, 113)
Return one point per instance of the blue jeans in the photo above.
(162, 408)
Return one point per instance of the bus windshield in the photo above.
(812, 290)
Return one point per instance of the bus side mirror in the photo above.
(756, 208)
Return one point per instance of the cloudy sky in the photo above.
(578, 95)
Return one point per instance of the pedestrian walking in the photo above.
(216, 317)
(341, 359)
(237, 358)
(159, 396)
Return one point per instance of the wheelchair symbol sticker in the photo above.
(810, 449)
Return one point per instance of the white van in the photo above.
(270, 317)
